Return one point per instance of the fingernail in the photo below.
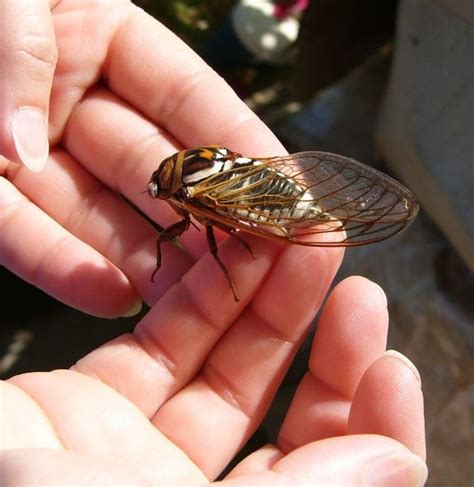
(134, 310)
(395, 470)
(382, 292)
(408, 363)
(30, 135)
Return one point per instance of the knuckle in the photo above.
(40, 49)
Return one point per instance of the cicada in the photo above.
(295, 198)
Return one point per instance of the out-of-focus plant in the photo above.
(190, 19)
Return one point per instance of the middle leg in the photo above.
(211, 239)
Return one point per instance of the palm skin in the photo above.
(174, 401)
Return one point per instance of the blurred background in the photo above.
(389, 83)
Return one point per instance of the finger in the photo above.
(28, 52)
(122, 149)
(40, 466)
(350, 460)
(15, 406)
(244, 370)
(170, 344)
(94, 420)
(97, 216)
(389, 402)
(180, 92)
(40, 251)
(84, 33)
(351, 335)
(259, 461)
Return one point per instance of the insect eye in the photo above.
(152, 189)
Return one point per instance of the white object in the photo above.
(426, 129)
(265, 36)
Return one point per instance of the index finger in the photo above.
(28, 56)
(159, 75)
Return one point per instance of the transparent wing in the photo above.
(354, 202)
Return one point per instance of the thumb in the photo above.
(345, 460)
(28, 56)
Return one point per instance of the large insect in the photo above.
(294, 198)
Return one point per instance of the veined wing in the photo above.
(354, 202)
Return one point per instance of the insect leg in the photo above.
(211, 239)
(233, 233)
(166, 235)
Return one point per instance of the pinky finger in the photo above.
(40, 251)
(389, 402)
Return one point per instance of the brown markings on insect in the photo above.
(295, 198)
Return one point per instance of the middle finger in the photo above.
(121, 149)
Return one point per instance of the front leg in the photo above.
(168, 234)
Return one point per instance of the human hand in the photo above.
(172, 403)
(125, 94)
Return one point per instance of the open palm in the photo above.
(174, 401)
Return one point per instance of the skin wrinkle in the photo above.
(195, 303)
(324, 274)
(82, 367)
(343, 396)
(90, 85)
(247, 119)
(34, 46)
(331, 388)
(57, 372)
(224, 389)
(198, 309)
(42, 50)
(144, 336)
(4, 162)
(123, 25)
(126, 165)
(285, 446)
(127, 161)
(54, 430)
(60, 127)
(11, 171)
(69, 123)
(232, 392)
(78, 216)
(149, 343)
(5, 213)
(90, 372)
(283, 442)
(49, 253)
(81, 208)
(276, 334)
(130, 252)
(179, 95)
(89, 202)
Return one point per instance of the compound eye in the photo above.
(152, 189)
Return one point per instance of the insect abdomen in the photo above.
(268, 196)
